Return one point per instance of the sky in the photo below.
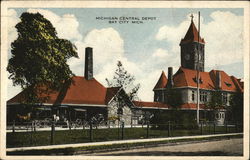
(145, 48)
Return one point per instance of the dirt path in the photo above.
(229, 147)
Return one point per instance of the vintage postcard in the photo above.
(124, 79)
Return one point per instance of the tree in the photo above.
(174, 98)
(216, 101)
(236, 107)
(38, 62)
(129, 92)
(180, 119)
(125, 80)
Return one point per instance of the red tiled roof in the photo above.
(228, 83)
(187, 78)
(159, 105)
(192, 35)
(239, 85)
(151, 104)
(111, 92)
(81, 91)
(191, 106)
(162, 82)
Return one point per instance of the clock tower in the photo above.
(192, 49)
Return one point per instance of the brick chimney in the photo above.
(218, 80)
(88, 72)
(170, 83)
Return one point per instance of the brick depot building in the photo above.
(184, 81)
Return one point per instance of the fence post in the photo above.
(52, 132)
(226, 127)
(201, 128)
(122, 130)
(31, 133)
(13, 126)
(70, 125)
(34, 126)
(91, 131)
(209, 130)
(214, 127)
(172, 129)
(118, 127)
(147, 129)
(168, 128)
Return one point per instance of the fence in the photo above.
(91, 132)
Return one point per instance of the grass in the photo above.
(41, 138)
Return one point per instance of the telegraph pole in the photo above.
(198, 72)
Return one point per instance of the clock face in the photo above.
(187, 56)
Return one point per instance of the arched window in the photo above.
(217, 115)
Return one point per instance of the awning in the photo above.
(80, 109)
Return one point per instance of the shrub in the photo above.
(178, 120)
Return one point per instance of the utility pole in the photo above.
(198, 72)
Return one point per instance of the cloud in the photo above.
(67, 25)
(108, 47)
(223, 36)
(107, 44)
(12, 35)
(224, 39)
(161, 53)
(12, 21)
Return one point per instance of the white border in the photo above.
(121, 4)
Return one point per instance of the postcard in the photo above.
(124, 79)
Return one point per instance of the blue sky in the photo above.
(148, 48)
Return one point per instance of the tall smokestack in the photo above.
(218, 79)
(170, 83)
(88, 73)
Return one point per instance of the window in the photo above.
(195, 80)
(193, 95)
(224, 98)
(157, 97)
(228, 84)
(120, 111)
(203, 96)
(217, 115)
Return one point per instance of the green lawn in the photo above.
(21, 139)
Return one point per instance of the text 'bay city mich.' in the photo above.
(126, 20)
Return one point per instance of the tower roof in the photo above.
(192, 35)
(162, 82)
